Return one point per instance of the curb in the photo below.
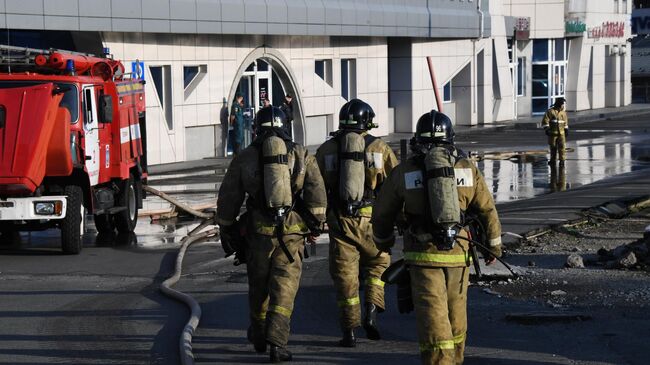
(615, 209)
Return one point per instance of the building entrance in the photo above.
(258, 83)
(549, 73)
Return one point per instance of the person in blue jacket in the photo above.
(237, 121)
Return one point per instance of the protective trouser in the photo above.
(272, 284)
(351, 246)
(557, 143)
(440, 300)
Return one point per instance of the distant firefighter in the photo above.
(556, 127)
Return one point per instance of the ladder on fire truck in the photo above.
(24, 56)
(21, 59)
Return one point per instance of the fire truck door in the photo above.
(91, 129)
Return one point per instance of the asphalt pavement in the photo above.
(103, 306)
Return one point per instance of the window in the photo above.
(156, 76)
(89, 113)
(559, 49)
(189, 73)
(323, 69)
(349, 78)
(70, 99)
(510, 49)
(162, 82)
(540, 80)
(262, 65)
(446, 93)
(192, 76)
(521, 76)
(540, 50)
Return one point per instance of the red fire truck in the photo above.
(72, 141)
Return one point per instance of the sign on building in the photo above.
(607, 30)
(137, 69)
(522, 28)
(574, 27)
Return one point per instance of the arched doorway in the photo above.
(264, 73)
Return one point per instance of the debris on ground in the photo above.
(575, 261)
(635, 255)
(549, 281)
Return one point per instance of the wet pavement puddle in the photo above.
(591, 160)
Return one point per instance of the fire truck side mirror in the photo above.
(3, 116)
(106, 109)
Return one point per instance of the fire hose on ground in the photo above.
(195, 236)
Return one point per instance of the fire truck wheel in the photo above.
(72, 226)
(126, 220)
(8, 236)
(104, 223)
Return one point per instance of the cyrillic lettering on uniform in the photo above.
(375, 160)
(413, 180)
(330, 162)
(464, 178)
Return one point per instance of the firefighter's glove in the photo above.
(384, 243)
(495, 251)
(229, 239)
(547, 131)
(566, 132)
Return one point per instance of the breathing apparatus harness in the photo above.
(443, 217)
(350, 207)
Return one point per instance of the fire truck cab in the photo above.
(72, 141)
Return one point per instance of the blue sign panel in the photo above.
(137, 70)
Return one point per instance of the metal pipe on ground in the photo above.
(177, 203)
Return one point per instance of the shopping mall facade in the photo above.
(493, 61)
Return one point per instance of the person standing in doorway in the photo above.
(556, 127)
(287, 108)
(237, 121)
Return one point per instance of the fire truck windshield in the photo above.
(70, 99)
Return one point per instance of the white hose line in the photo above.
(185, 342)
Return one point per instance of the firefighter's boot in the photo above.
(280, 354)
(257, 339)
(348, 339)
(370, 322)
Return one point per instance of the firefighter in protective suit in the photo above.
(556, 127)
(354, 164)
(438, 259)
(274, 175)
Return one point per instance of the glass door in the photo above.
(559, 71)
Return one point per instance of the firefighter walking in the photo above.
(354, 164)
(556, 127)
(273, 173)
(435, 188)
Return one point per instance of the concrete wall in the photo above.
(524, 102)
(547, 16)
(223, 55)
(449, 59)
